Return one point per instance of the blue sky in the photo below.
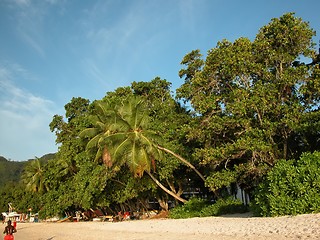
(53, 50)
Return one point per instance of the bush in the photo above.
(224, 206)
(200, 208)
(191, 208)
(290, 188)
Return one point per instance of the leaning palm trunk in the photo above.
(165, 189)
(184, 161)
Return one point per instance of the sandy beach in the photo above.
(225, 228)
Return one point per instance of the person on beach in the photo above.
(9, 229)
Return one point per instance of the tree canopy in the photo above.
(251, 99)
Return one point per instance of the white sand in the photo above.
(225, 228)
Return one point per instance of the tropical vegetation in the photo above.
(290, 188)
(245, 117)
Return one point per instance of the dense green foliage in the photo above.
(290, 188)
(196, 207)
(13, 191)
(252, 99)
(250, 104)
(9, 171)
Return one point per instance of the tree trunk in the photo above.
(184, 161)
(165, 189)
(285, 148)
(173, 189)
(163, 204)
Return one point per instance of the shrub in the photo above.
(290, 188)
(200, 208)
(224, 206)
(191, 208)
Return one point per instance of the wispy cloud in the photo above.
(188, 13)
(94, 72)
(21, 2)
(29, 17)
(121, 38)
(25, 118)
(121, 32)
(32, 41)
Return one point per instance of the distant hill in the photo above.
(48, 157)
(10, 171)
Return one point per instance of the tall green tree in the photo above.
(65, 174)
(251, 98)
(67, 130)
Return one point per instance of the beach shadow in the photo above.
(50, 238)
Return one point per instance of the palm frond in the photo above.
(88, 132)
(140, 162)
(121, 150)
(93, 142)
(98, 155)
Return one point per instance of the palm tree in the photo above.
(102, 121)
(122, 135)
(33, 176)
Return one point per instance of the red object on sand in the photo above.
(15, 224)
(8, 237)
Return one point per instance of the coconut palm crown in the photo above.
(121, 135)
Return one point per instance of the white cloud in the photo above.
(24, 121)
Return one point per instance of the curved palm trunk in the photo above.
(165, 189)
(183, 160)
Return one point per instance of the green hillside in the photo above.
(10, 171)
